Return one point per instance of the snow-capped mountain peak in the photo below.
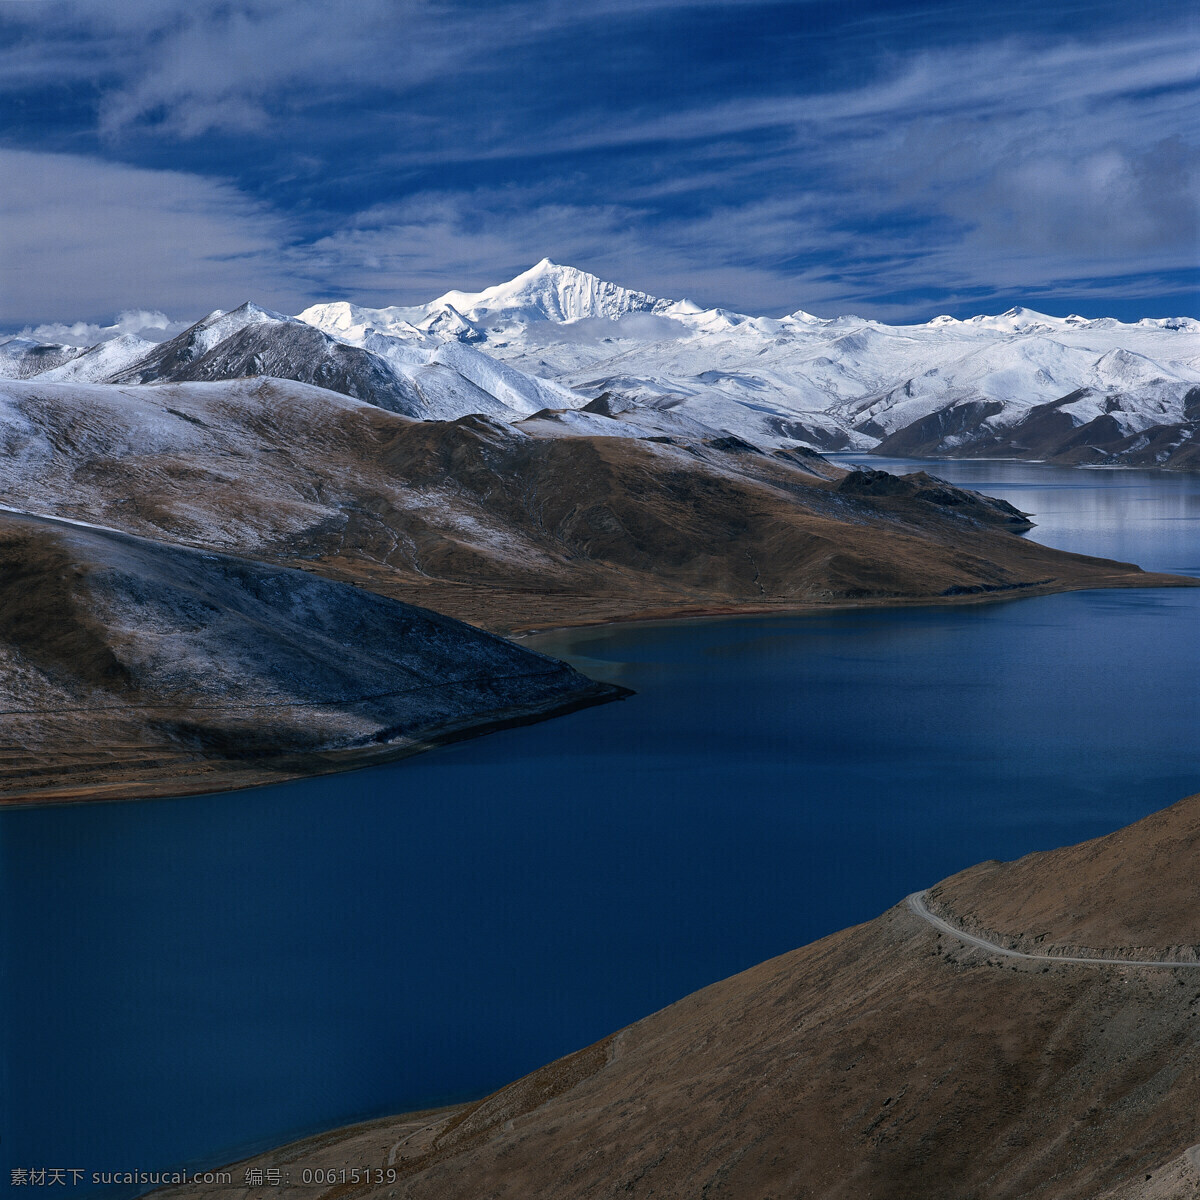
(99, 362)
(806, 318)
(219, 325)
(567, 351)
(1019, 320)
(549, 291)
(448, 322)
(22, 357)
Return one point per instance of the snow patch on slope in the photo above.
(102, 361)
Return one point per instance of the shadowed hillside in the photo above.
(132, 668)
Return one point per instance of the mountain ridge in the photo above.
(1019, 384)
(842, 383)
(135, 667)
(495, 523)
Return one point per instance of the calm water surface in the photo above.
(187, 981)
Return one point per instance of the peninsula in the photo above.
(204, 580)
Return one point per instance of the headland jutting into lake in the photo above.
(173, 634)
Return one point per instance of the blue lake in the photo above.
(186, 981)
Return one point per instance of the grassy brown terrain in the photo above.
(886, 1062)
(132, 668)
(486, 523)
(1109, 899)
(472, 518)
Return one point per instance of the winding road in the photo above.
(916, 904)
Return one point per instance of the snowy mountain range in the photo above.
(559, 351)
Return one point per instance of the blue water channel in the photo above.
(187, 981)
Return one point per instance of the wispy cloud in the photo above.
(974, 172)
(190, 68)
(87, 238)
(764, 155)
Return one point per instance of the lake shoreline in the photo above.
(290, 768)
(235, 775)
(671, 616)
(429, 1146)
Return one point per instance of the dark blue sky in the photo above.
(896, 160)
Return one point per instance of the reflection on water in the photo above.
(187, 980)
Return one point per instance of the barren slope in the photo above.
(1133, 890)
(132, 668)
(485, 522)
(886, 1062)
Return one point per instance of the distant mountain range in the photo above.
(559, 351)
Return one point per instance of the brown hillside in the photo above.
(887, 1062)
(132, 668)
(1132, 894)
(477, 519)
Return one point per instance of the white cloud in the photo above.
(994, 169)
(151, 326)
(189, 67)
(83, 238)
(409, 252)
